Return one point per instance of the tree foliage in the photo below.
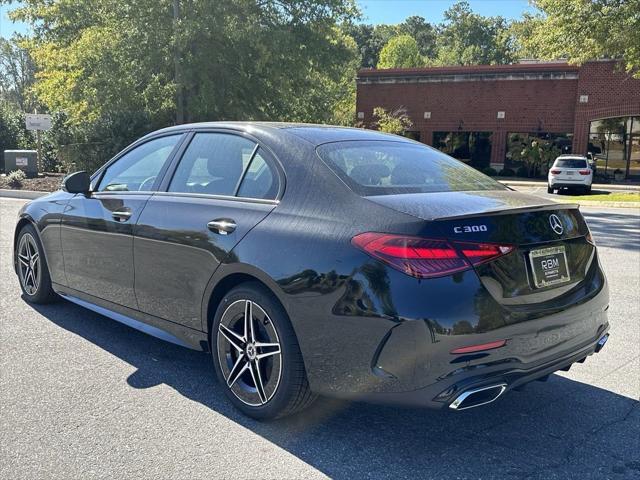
(400, 52)
(229, 59)
(396, 121)
(463, 38)
(466, 38)
(16, 73)
(582, 30)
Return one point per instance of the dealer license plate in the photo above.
(549, 266)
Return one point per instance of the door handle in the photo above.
(223, 226)
(122, 215)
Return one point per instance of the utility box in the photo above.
(25, 160)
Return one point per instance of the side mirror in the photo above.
(78, 182)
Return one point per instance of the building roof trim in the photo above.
(467, 77)
(469, 69)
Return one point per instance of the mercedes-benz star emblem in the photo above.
(556, 224)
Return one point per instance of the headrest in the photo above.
(369, 174)
(225, 161)
(407, 174)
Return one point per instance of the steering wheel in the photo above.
(147, 180)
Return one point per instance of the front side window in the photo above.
(213, 164)
(386, 167)
(137, 170)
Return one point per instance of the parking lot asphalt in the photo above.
(82, 396)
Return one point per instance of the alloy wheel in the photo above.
(249, 352)
(29, 264)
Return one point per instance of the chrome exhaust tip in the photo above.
(478, 396)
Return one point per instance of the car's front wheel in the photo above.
(33, 271)
(256, 354)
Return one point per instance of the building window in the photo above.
(535, 151)
(473, 148)
(412, 134)
(615, 145)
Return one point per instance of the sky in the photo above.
(374, 11)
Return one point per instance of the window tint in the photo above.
(260, 181)
(571, 163)
(386, 167)
(137, 169)
(212, 164)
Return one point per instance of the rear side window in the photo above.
(260, 180)
(387, 167)
(213, 164)
(571, 163)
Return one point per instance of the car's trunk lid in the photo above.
(544, 234)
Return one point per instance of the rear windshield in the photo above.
(571, 163)
(387, 168)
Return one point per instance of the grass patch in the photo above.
(607, 197)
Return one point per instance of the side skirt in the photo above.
(156, 327)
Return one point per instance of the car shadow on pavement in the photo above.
(618, 230)
(558, 429)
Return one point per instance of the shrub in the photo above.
(522, 172)
(507, 172)
(16, 178)
(490, 171)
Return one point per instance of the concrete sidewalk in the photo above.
(24, 194)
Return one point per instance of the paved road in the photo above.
(82, 396)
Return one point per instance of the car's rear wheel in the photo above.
(587, 189)
(256, 354)
(549, 189)
(33, 271)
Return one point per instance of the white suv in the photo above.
(571, 172)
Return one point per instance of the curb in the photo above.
(596, 186)
(609, 204)
(22, 194)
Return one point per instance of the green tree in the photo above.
(370, 40)
(423, 33)
(396, 121)
(466, 38)
(582, 30)
(16, 73)
(226, 59)
(401, 52)
(521, 31)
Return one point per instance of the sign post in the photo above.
(38, 122)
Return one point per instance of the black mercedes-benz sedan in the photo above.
(313, 260)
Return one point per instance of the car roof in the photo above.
(571, 157)
(313, 133)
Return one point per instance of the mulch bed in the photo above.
(46, 182)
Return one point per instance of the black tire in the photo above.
(277, 398)
(549, 189)
(36, 286)
(587, 190)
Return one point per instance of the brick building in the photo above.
(487, 114)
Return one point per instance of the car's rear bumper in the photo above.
(510, 374)
(414, 365)
(570, 184)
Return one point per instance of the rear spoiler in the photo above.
(535, 208)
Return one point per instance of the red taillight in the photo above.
(556, 172)
(479, 348)
(424, 257)
(585, 172)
